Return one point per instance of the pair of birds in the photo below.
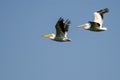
(63, 26)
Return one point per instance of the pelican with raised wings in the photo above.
(61, 31)
(96, 25)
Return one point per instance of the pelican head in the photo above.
(85, 26)
(51, 36)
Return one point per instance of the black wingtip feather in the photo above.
(61, 19)
(106, 10)
(102, 11)
(66, 25)
(63, 25)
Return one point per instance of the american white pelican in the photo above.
(61, 31)
(96, 25)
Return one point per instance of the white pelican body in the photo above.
(61, 31)
(96, 25)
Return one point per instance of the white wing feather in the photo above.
(98, 18)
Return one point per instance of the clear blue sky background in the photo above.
(26, 55)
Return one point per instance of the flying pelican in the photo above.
(96, 25)
(61, 31)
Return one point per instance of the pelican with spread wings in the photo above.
(96, 25)
(61, 31)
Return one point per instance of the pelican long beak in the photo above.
(46, 35)
(80, 26)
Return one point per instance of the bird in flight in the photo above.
(61, 31)
(96, 25)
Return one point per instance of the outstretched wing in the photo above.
(98, 18)
(60, 28)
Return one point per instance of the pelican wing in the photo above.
(60, 28)
(66, 27)
(98, 18)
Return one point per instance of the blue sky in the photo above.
(26, 55)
